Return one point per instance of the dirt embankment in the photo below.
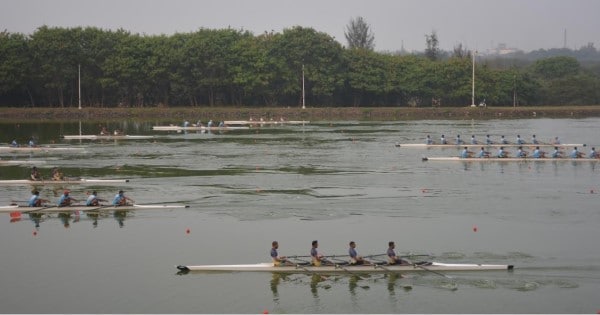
(313, 114)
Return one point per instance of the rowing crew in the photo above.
(537, 153)
(488, 140)
(318, 259)
(66, 200)
(36, 175)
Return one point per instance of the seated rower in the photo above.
(503, 140)
(93, 200)
(317, 259)
(473, 140)
(537, 153)
(120, 199)
(502, 153)
(66, 200)
(428, 140)
(575, 154)
(392, 258)
(556, 140)
(458, 140)
(465, 153)
(519, 140)
(593, 154)
(32, 143)
(521, 153)
(556, 154)
(14, 143)
(56, 174)
(35, 174)
(35, 200)
(483, 153)
(355, 259)
(534, 140)
(443, 140)
(278, 260)
(488, 140)
(104, 131)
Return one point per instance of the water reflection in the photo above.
(70, 217)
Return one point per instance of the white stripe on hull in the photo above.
(39, 149)
(493, 159)
(458, 146)
(16, 162)
(268, 267)
(60, 182)
(55, 209)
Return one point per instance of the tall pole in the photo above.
(473, 83)
(514, 91)
(79, 83)
(303, 95)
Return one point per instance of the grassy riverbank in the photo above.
(177, 114)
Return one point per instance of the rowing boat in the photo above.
(17, 162)
(268, 267)
(197, 128)
(266, 122)
(59, 182)
(55, 209)
(513, 159)
(38, 149)
(528, 145)
(106, 137)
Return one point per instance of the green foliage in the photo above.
(359, 35)
(233, 67)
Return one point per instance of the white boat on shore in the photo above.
(382, 268)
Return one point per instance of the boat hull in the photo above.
(492, 159)
(196, 128)
(268, 267)
(82, 181)
(55, 209)
(460, 146)
(38, 149)
(108, 137)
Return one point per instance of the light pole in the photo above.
(79, 83)
(303, 95)
(514, 91)
(473, 83)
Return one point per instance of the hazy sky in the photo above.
(477, 24)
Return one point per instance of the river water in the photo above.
(331, 181)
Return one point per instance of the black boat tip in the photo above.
(511, 267)
(183, 268)
(424, 158)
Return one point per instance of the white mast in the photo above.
(303, 95)
(473, 83)
(79, 83)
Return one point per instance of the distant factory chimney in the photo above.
(565, 39)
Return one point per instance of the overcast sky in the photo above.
(477, 24)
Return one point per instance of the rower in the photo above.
(556, 140)
(575, 154)
(317, 259)
(465, 153)
(473, 140)
(35, 200)
(593, 154)
(355, 259)
(392, 258)
(93, 200)
(521, 153)
(488, 140)
(31, 143)
(104, 131)
(503, 140)
(56, 174)
(519, 140)
(278, 260)
(537, 153)
(428, 140)
(534, 140)
(483, 153)
(556, 154)
(120, 199)
(35, 174)
(443, 140)
(66, 200)
(502, 153)
(458, 140)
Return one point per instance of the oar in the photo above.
(298, 266)
(338, 266)
(427, 269)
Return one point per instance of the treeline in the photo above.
(229, 67)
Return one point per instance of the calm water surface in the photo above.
(331, 181)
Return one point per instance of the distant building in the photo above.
(501, 49)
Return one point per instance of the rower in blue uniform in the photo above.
(593, 154)
(502, 153)
(443, 140)
(428, 140)
(66, 200)
(488, 140)
(503, 140)
(575, 154)
(521, 153)
(278, 260)
(465, 153)
(355, 259)
(93, 200)
(534, 140)
(519, 140)
(317, 259)
(35, 200)
(473, 140)
(483, 153)
(458, 140)
(556, 154)
(392, 258)
(120, 199)
(537, 153)
(556, 140)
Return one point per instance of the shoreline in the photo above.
(287, 113)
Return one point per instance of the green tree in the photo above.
(432, 50)
(359, 35)
(15, 65)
